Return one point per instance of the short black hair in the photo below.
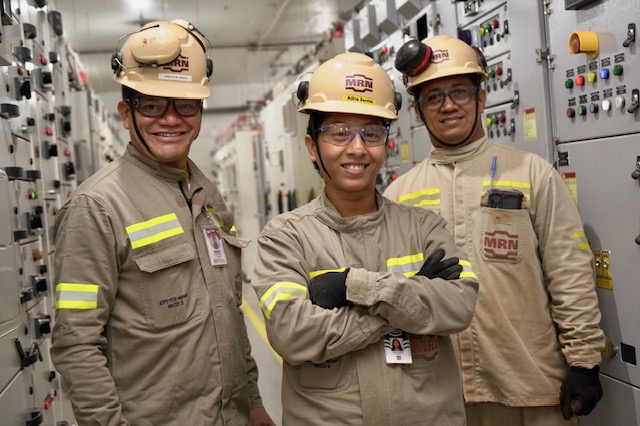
(128, 93)
(316, 118)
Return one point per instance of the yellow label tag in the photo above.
(359, 98)
(404, 151)
(530, 124)
(604, 283)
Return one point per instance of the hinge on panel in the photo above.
(471, 7)
(545, 55)
(546, 7)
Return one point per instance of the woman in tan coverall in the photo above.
(342, 276)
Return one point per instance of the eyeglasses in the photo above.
(152, 106)
(341, 134)
(434, 99)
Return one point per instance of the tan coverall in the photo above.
(147, 331)
(537, 310)
(335, 371)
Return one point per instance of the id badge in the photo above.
(215, 248)
(397, 349)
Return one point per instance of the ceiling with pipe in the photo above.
(251, 41)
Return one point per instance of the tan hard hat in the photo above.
(167, 59)
(449, 56)
(350, 83)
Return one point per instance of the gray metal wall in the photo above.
(596, 127)
(52, 136)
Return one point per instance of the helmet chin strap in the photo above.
(322, 162)
(463, 141)
(135, 127)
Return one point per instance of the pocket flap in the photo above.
(165, 258)
(235, 241)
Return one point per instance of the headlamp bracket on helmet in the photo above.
(303, 92)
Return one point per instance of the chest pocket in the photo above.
(169, 286)
(503, 230)
(331, 375)
(425, 351)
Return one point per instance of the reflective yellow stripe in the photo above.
(581, 239)
(424, 197)
(406, 265)
(524, 187)
(467, 270)
(76, 296)
(218, 222)
(280, 291)
(154, 230)
(314, 274)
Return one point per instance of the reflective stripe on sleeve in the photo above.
(314, 274)
(406, 265)
(280, 291)
(467, 270)
(581, 239)
(424, 197)
(76, 296)
(154, 230)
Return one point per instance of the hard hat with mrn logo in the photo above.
(443, 56)
(167, 59)
(350, 83)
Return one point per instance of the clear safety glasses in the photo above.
(341, 134)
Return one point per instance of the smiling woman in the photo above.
(351, 101)
(346, 264)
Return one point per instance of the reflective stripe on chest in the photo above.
(153, 230)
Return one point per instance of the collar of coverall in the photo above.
(329, 216)
(466, 152)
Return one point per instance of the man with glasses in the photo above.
(148, 326)
(531, 354)
(344, 276)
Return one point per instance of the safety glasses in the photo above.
(154, 107)
(434, 99)
(341, 134)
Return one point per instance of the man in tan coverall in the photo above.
(531, 354)
(148, 325)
